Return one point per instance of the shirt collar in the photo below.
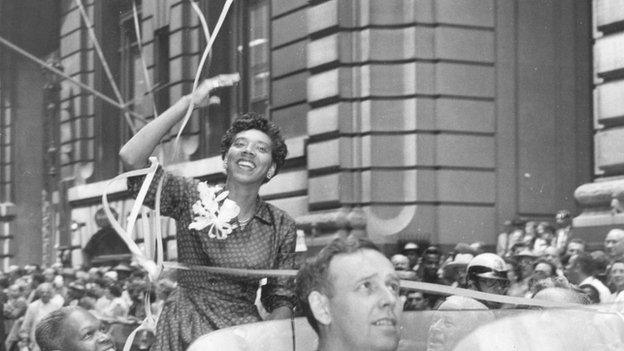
(264, 213)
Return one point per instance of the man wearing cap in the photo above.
(526, 261)
(454, 269)
(487, 273)
(410, 250)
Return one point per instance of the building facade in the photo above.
(405, 120)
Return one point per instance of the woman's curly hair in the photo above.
(255, 121)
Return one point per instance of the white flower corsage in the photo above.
(209, 213)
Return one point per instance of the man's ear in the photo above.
(319, 304)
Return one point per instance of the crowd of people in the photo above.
(113, 295)
(532, 255)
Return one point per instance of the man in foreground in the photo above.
(349, 293)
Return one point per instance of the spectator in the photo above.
(614, 244)
(507, 240)
(454, 269)
(36, 310)
(72, 329)
(525, 262)
(580, 271)
(592, 293)
(530, 233)
(602, 265)
(545, 237)
(616, 280)
(542, 269)
(349, 293)
(14, 308)
(552, 255)
(415, 301)
(575, 247)
(410, 250)
(402, 266)
(118, 307)
(428, 272)
(487, 272)
(449, 326)
(563, 220)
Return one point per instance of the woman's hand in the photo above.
(200, 96)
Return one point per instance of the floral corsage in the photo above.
(209, 213)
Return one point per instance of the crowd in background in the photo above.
(537, 255)
(115, 295)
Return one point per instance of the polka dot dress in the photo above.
(204, 301)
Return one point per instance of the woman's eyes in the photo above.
(261, 148)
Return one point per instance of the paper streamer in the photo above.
(211, 40)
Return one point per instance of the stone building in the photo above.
(405, 120)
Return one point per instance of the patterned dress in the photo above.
(205, 301)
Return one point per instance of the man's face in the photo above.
(552, 255)
(542, 271)
(493, 286)
(81, 332)
(575, 249)
(431, 263)
(415, 301)
(616, 274)
(45, 292)
(614, 244)
(449, 327)
(526, 265)
(365, 307)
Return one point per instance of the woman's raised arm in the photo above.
(136, 152)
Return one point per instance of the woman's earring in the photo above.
(225, 166)
(270, 173)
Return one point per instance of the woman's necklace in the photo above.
(243, 222)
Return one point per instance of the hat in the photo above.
(76, 286)
(111, 275)
(460, 259)
(526, 253)
(122, 268)
(410, 246)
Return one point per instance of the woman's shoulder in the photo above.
(278, 214)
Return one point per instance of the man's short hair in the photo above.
(314, 275)
(577, 241)
(586, 263)
(49, 331)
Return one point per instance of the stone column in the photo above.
(602, 200)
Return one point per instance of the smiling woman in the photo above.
(263, 236)
(72, 329)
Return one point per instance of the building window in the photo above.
(256, 50)
(161, 69)
(133, 85)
